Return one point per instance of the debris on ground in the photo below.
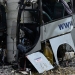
(68, 69)
(7, 70)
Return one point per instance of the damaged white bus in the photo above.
(46, 40)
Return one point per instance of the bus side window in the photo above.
(59, 10)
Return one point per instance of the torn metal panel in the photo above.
(36, 48)
(56, 28)
(56, 42)
(40, 62)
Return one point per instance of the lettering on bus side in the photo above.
(65, 25)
